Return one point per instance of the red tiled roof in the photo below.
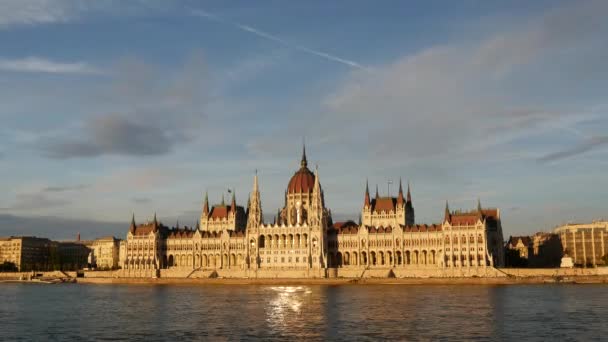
(177, 233)
(470, 218)
(302, 181)
(384, 204)
(422, 228)
(345, 227)
(464, 220)
(490, 213)
(144, 229)
(219, 211)
(222, 211)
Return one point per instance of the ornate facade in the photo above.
(304, 239)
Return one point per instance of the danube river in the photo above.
(31, 312)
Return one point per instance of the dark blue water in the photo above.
(343, 313)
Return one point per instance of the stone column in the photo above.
(593, 246)
(574, 244)
(451, 256)
(584, 249)
(603, 242)
(476, 249)
(485, 249)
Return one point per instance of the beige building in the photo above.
(104, 252)
(305, 240)
(585, 243)
(27, 252)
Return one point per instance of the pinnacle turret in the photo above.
(409, 194)
(254, 205)
(206, 204)
(400, 200)
(133, 225)
(366, 200)
(233, 202)
(303, 162)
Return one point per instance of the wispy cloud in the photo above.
(281, 41)
(442, 101)
(581, 148)
(40, 12)
(66, 188)
(30, 12)
(141, 200)
(42, 65)
(34, 202)
(139, 124)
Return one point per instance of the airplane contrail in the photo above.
(281, 41)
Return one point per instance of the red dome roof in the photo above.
(303, 181)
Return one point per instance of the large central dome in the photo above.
(303, 180)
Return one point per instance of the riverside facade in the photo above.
(305, 242)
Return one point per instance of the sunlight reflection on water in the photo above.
(312, 313)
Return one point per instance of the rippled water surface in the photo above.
(343, 313)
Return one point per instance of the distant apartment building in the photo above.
(538, 250)
(585, 243)
(27, 252)
(517, 251)
(30, 253)
(104, 253)
(73, 255)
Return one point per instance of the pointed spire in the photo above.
(154, 220)
(198, 225)
(223, 202)
(447, 215)
(400, 200)
(233, 202)
(479, 209)
(206, 204)
(317, 186)
(304, 162)
(377, 195)
(366, 202)
(409, 194)
(177, 224)
(132, 226)
(255, 182)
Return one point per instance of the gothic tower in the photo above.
(254, 210)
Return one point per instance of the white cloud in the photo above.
(42, 65)
(31, 12)
(37, 12)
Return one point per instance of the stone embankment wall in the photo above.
(554, 272)
(339, 273)
(19, 275)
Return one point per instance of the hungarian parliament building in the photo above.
(304, 241)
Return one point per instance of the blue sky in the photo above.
(114, 107)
